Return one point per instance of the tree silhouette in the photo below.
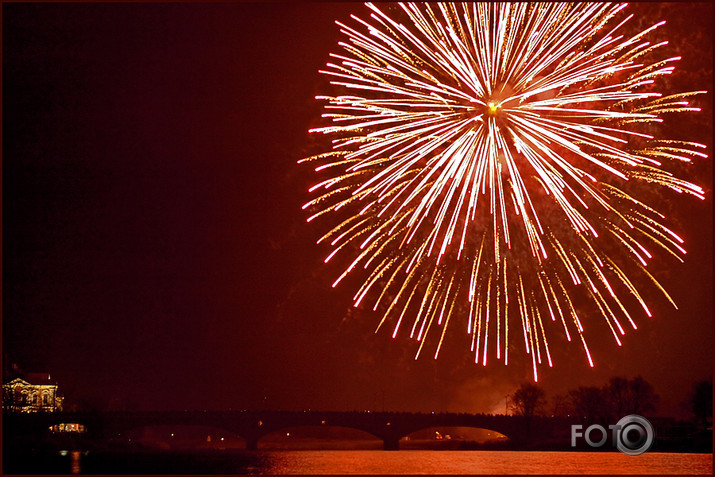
(643, 396)
(528, 400)
(625, 396)
(589, 403)
(561, 406)
(618, 394)
(702, 401)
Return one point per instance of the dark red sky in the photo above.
(155, 250)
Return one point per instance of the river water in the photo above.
(487, 462)
(373, 462)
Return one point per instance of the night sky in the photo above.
(155, 254)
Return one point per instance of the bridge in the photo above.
(389, 427)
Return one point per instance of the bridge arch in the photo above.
(323, 436)
(181, 436)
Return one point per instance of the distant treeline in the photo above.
(619, 397)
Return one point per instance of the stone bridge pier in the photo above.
(251, 443)
(391, 443)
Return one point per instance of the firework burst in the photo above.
(486, 168)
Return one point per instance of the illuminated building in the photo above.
(34, 392)
(68, 427)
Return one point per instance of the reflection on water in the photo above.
(74, 462)
(304, 462)
(485, 462)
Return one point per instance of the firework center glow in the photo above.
(493, 108)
